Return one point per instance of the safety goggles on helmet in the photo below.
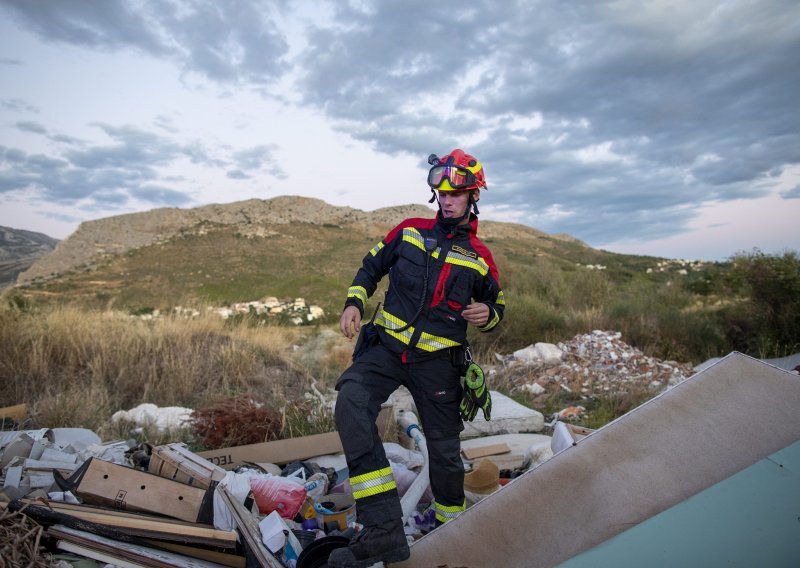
(458, 177)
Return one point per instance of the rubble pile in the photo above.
(590, 365)
(64, 492)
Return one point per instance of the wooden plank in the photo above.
(141, 555)
(138, 525)
(88, 552)
(224, 558)
(66, 507)
(248, 527)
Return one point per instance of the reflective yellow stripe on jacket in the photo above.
(427, 341)
(477, 264)
(372, 483)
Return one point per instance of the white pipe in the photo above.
(410, 424)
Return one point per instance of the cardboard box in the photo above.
(177, 462)
(98, 482)
(281, 452)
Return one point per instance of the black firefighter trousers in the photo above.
(434, 385)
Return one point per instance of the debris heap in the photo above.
(592, 364)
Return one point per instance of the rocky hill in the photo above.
(285, 247)
(111, 236)
(19, 249)
(253, 218)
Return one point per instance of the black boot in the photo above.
(384, 542)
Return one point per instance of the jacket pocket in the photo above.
(459, 293)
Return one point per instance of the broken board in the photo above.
(690, 437)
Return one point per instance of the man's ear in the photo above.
(476, 195)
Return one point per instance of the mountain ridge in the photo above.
(120, 234)
(19, 250)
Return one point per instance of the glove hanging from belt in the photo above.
(476, 394)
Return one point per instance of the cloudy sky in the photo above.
(668, 128)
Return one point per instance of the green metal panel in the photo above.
(751, 519)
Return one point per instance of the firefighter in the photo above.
(441, 278)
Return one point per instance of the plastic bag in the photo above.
(278, 494)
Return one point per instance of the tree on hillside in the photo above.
(768, 323)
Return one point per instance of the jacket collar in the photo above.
(465, 229)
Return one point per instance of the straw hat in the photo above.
(483, 479)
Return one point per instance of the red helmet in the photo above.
(456, 171)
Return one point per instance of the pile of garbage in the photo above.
(120, 503)
(590, 365)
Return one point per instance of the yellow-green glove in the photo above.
(476, 395)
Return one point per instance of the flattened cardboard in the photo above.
(281, 452)
(108, 484)
(278, 452)
(483, 451)
(17, 413)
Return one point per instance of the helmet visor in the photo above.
(459, 178)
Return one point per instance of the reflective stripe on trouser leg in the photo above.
(372, 483)
(362, 388)
(446, 513)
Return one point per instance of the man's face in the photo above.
(453, 203)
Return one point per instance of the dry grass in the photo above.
(75, 368)
(20, 541)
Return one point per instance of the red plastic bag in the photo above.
(277, 494)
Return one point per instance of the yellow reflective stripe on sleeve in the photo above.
(446, 513)
(493, 321)
(390, 323)
(358, 292)
(376, 249)
(413, 236)
(501, 299)
(478, 264)
(372, 483)
(428, 342)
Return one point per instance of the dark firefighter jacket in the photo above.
(449, 266)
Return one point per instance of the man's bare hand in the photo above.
(476, 314)
(350, 322)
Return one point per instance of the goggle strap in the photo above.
(433, 196)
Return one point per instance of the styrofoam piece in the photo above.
(71, 436)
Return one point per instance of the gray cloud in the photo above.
(257, 158)
(793, 193)
(18, 105)
(643, 111)
(225, 43)
(237, 174)
(34, 127)
(110, 175)
(604, 119)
